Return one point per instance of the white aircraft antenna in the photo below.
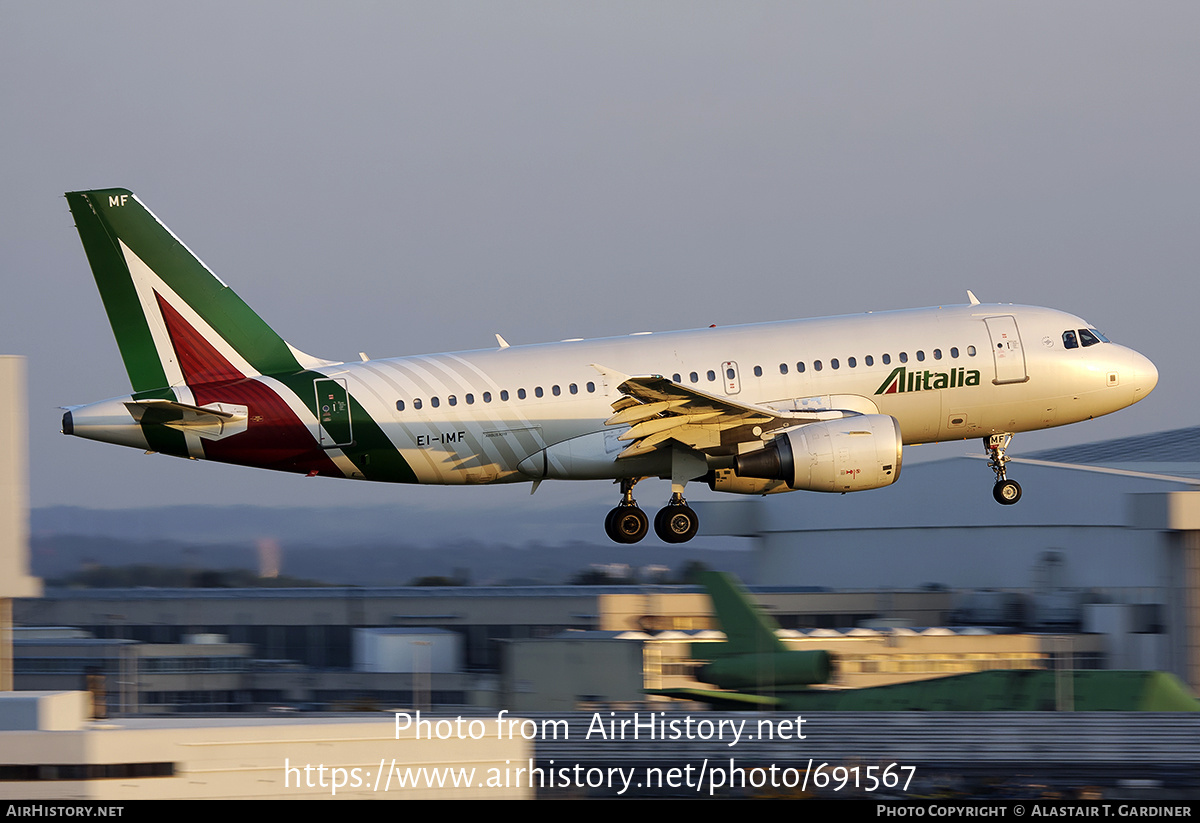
(362, 355)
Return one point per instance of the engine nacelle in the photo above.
(727, 480)
(846, 455)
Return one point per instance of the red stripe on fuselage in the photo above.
(275, 437)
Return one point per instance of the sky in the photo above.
(411, 177)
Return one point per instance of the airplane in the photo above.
(754, 670)
(822, 405)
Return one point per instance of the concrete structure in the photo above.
(52, 752)
(407, 650)
(15, 580)
(127, 677)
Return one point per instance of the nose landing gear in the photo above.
(1006, 492)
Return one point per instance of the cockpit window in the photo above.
(1069, 341)
(1103, 339)
(1087, 338)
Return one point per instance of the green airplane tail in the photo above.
(175, 322)
(748, 630)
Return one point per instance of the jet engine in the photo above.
(846, 455)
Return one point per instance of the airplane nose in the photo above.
(1145, 376)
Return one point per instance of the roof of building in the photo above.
(1175, 446)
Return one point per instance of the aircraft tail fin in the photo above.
(175, 322)
(748, 629)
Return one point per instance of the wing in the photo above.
(658, 410)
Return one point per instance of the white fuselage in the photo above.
(968, 371)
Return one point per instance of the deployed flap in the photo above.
(664, 410)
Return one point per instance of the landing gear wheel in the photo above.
(1007, 492)
(676, 524)
(626, 524)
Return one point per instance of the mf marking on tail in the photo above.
(813, 405)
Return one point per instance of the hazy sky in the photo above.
(401, 178)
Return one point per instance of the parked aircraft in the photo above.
(753, 670)
(821, 405)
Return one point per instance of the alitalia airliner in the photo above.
(819, 405)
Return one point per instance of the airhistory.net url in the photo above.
(708, 777)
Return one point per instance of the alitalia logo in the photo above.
(903, 380)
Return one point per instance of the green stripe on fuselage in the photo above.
(163, 439)
(372, 453)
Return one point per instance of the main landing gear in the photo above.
(627, 523)
(1005, 491)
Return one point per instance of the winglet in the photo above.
(503, 343)
(971, 296)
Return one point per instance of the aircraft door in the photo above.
(729, 372)
(1006, 349)
(333, 413)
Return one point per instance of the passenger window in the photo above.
(970, 351)
(834, 364)
(399, 405)
(783, 368)
(575, 389)
(1087, 338)
(887, 359)
(816, 365)
(487, 397)
(1069, 341)
(676, 378)
(869, 360)
(538, 391)
(954, 352)
(903, 357)
(800, 367)
(851, 362)
(452, 400)
(416, 403)
(470, 400)
(758, 371)
(555, 390)
(520, 394)
(694, 377)
(435, 402)
(504, 394)
(591, 387)
(712, 376)
(921, 356)
(937, 354)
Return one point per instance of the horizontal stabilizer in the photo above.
(211, 422)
